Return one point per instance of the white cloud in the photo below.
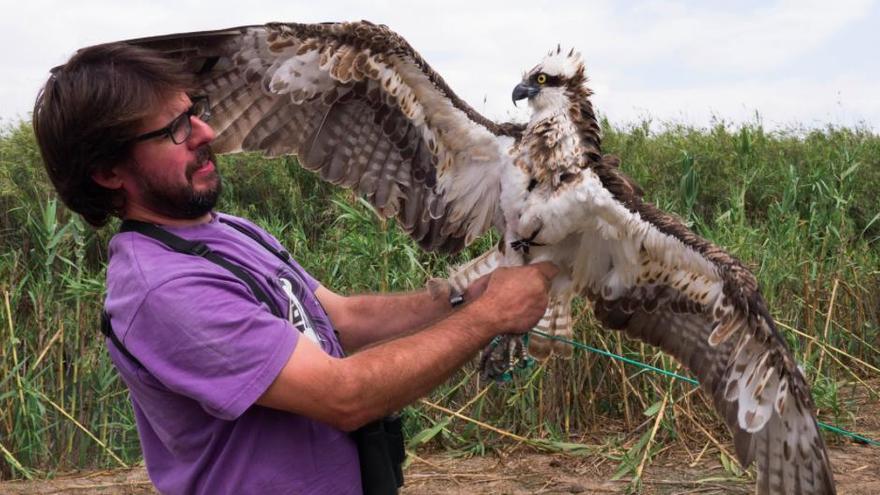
(846, 100)
(665, 57)
(758, 40)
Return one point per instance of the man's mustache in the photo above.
(203, 154)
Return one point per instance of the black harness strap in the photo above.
(201, 249)
(194, 248)
(284, 256)
(107, 330)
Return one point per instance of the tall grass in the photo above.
(799, 207)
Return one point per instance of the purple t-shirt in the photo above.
(210, 349)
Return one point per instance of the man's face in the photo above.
(178, 181)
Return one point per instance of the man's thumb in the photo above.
(547, 269)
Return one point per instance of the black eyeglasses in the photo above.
(180, 128)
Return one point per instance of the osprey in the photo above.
(361, 107)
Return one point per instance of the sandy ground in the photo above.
(856, 469)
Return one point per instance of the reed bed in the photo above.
(797, 206)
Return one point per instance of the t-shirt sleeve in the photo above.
(208, 338)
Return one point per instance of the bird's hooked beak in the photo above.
(523, 90)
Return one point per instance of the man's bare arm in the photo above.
(365, 319)
(352, 391)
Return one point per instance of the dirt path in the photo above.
(857, 471)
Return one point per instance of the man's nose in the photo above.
(202, 132)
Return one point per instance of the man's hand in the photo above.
(514, 298)
(476, 288)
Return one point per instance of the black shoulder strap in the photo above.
(194, 248)
(282, 255)
(107, 330)
(197, 248)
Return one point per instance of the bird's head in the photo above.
(555, 83)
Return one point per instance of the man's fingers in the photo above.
(477, 287)
(547, 269)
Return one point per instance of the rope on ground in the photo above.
(834, 429)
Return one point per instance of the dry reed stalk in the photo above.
(807, 316)
(840, 327)
(828, 346)
(3, 348)
(699, 425)
(14, 346)
(858, 379)
(541, 407)
(476, 397)
(82, 428)
(14, 462)
(476, 422)
(827, 325)
(411, 455)
(701, 454)
(48, 346)
(59, 373)
(625, 383)
(657, 421)
(567, 412)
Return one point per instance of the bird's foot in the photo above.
(523, 245)
(503, 355)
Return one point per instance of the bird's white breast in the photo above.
(594, 238)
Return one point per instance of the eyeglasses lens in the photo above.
(201, 109)
(181, 128)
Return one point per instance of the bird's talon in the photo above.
(523, 245)
(503, 355)
(520, 246)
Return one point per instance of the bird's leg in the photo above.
(502, 355)
(493, 364)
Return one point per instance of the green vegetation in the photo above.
(798, 207)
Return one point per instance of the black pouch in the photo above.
(381, 453)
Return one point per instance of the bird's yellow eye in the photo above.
(542, 78)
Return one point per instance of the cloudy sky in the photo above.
(796, 63)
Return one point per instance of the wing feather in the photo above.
(702, 306)
(360, 107)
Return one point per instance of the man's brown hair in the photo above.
(89, 111)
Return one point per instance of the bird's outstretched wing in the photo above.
(359, 106)
(668, 287)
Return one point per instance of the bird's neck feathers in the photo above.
(584, 118)
(564, 111)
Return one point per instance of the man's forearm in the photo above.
(348, 392)
(375, 318)
(387, 377)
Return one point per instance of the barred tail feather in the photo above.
(556, 322)
(466, 274)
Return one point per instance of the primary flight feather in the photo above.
(360, 107)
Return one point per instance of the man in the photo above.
(229, 397)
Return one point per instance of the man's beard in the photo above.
(184, 202)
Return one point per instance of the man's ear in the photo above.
(108, 178)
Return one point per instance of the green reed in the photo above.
(798, 206)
